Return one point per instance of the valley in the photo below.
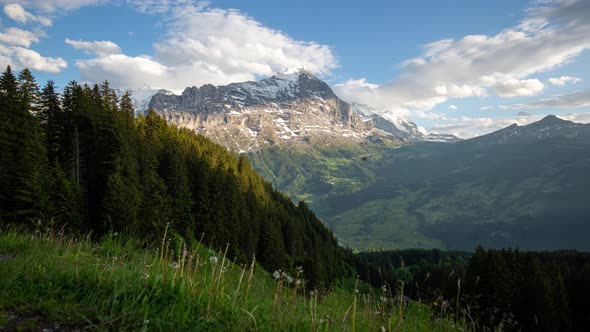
(380, 183)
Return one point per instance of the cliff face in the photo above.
(295, 108)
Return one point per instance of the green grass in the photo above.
(118, 284)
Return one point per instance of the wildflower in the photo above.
(298, 282)
(384, 288)
(115, 234)
(289, 279)
(299, 269)
(147, 321)
(223, 269)
(184, 253)
(146, 276)
(174, 265)
(276, 274)
(383, 299)
(213, 260)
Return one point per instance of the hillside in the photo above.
(522, 186)
(83, 163)
(65, 283)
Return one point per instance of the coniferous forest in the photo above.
(81, 162)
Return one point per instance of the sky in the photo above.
(459, 67)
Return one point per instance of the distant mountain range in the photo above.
(521, 186)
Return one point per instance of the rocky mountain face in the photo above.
(285, 109)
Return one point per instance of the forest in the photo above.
(82, 162)
(512, 289)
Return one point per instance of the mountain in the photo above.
(142, 96)
(398, 126)
(521, 186)
(293, 108)
(548, 127)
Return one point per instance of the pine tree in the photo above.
(53, 121)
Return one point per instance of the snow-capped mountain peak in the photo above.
(141, 96)
(398, 126)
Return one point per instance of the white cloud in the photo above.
(160, 6)
(561, 81)
(20, 57)
(578, 99)
(117, 68)
(577, 117)
(453, 107)
(19, 14)
(468, 127)
(516, 88)
(551, 34)
(14, 51)
(18, 37)
(101, 48)
(204, 45)
(55, 6)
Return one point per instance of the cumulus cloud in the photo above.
(206, 45)
(19, 14)
(18, 37)
(101, 48)
(561, 81)
(14, 51)
(23, 57)
(578, 99)
(517, 88)
(453, 107)
(550, 34)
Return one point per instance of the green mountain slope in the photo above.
(521, 186)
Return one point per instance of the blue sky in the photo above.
(462, 67)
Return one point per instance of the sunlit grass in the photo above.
(119, 284)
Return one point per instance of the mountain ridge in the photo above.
(286, 108)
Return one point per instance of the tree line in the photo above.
(82, 161)
(507, 289)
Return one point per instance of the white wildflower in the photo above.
(213, 260)
(174, 265)
(276, 274)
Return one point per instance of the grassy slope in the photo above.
(443, 196)
(115, 285)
